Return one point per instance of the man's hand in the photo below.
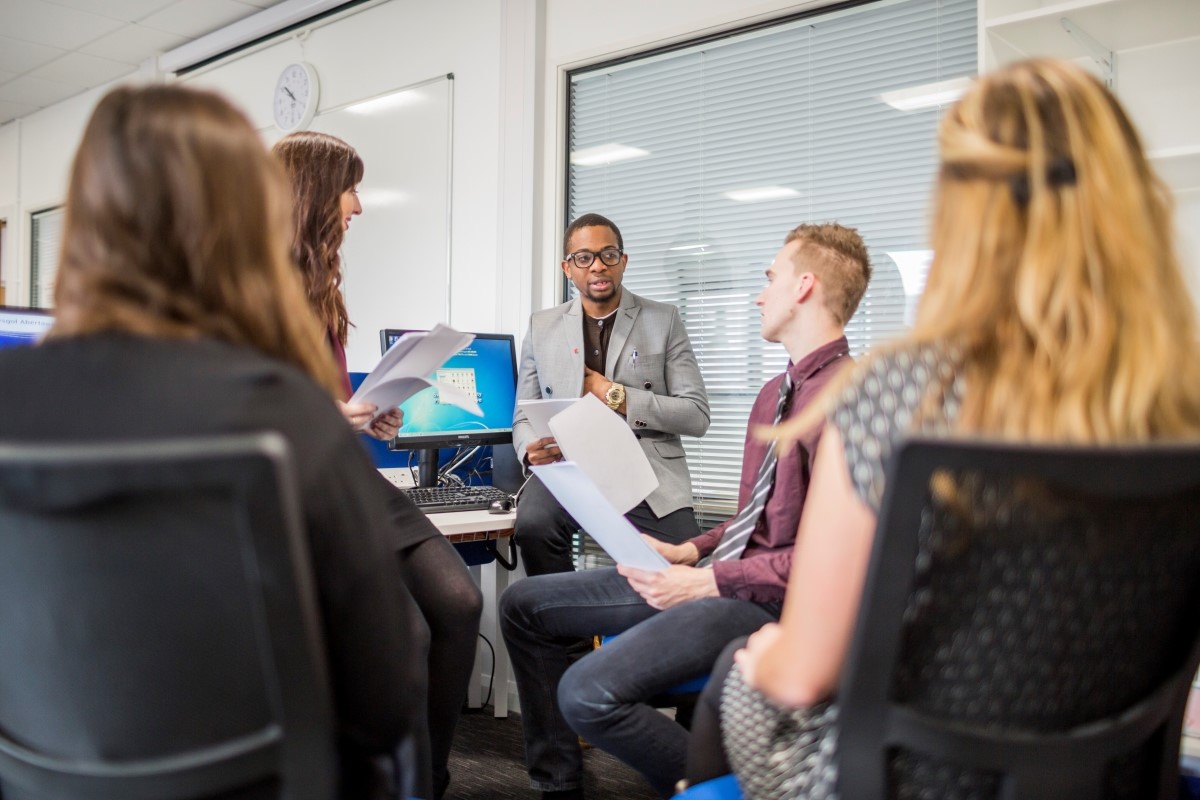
(685, 553)
(542, 451)
(674, 585)
(595, 383)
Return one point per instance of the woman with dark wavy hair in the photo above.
(179, 313)
(325, 172)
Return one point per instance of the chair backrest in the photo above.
(1030, 624)
(159, 635)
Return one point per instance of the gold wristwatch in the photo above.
(615, 396)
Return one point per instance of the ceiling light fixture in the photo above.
(606, 154)
(927, 95)
(758, 194)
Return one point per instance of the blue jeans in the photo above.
(602, 697)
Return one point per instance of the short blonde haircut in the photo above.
(839, 257)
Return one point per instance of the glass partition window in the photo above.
(707, 155)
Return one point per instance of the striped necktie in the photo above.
(737, 532)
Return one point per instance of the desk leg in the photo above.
(475, 689)
(501, 669)
(494, 582)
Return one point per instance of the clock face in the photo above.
(295, 99)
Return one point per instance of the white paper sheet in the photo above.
(602, 445)
(404, 369)
(572, 488)
(539, 412)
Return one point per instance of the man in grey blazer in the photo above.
(634, 355)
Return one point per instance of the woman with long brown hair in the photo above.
(179, 313)
(1055, 311)
(325, 172)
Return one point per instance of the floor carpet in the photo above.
(488, 761)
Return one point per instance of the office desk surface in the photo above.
(467, 526)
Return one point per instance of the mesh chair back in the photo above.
(1030, 624)
(158, 631)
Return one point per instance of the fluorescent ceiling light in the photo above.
(927, 95)
(606, 154)
(914, 267)
(386, 103)
(757, 194)
(379, 198)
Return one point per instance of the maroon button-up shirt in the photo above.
(761, 574)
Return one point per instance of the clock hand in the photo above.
(289, 94)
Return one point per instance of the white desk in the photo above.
(472, 526)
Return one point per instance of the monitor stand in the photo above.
(427, 466)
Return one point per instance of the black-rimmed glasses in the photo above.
(609, 257)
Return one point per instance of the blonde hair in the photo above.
(177, 226)
(839, 257)
(1054, 272)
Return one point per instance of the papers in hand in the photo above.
(602, 446)
(584, 501)
(404, 369)
(539, 412)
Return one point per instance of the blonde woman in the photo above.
(1055, 311)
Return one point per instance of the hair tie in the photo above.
(1060, 172)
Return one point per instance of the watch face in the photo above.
(294, 98)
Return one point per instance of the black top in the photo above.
(118, 386)
(597, 331)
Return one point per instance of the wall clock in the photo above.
(296, 94)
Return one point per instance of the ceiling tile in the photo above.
(193, 18)
(133, 44)
(124, 10)
(10, 111)
(19, 56)
(37, 92)
(41, 22)
(78, 69)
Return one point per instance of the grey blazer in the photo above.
(664, 393)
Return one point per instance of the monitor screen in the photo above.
(486, 368)
(23, 326)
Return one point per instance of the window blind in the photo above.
(792, 115)
(47, 247)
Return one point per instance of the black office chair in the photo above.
(159, 636)
(1030, 625)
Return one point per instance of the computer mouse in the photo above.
(501, 506)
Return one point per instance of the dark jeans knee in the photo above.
(584, 698)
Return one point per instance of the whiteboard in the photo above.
(396, 257)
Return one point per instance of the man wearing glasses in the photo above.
(634, 355)
(720, 585)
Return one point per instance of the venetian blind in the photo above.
(46, 230)
(744, 138)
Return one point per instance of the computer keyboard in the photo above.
(437, 499)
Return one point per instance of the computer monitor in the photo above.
(486, 367)
(23, 326)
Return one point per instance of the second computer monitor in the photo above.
(487, 370)
(23, 326)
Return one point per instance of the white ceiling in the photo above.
(53, 49)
